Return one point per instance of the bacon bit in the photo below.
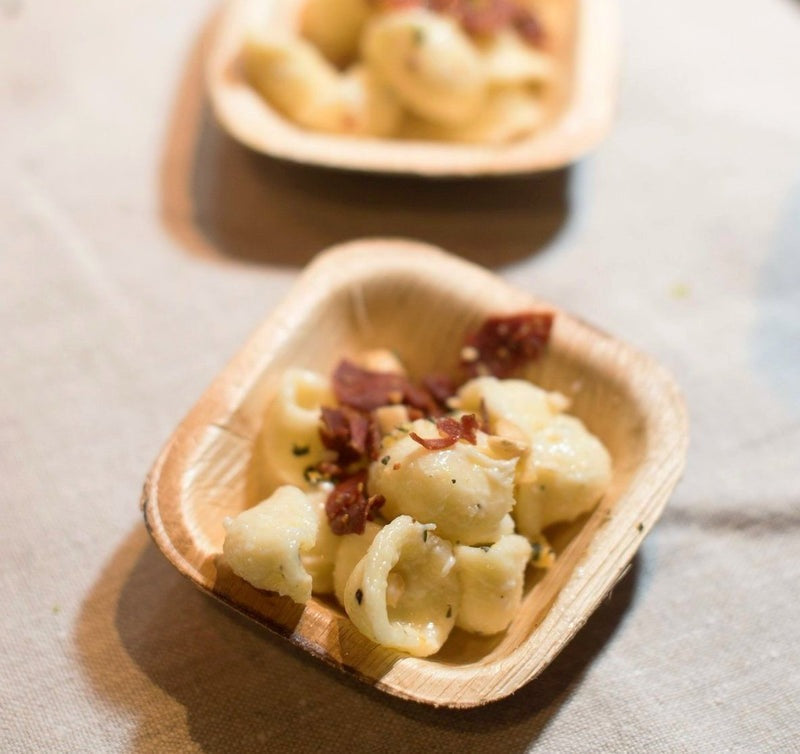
(365, 390)
(348, 506)
(503, 344)
(328, 470)
(450, 431)
(419, 397)
(528, 26)
(351, 435)
(434, 443)
(345, 431)
(440, 387)
(479, 17)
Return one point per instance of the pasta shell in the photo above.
(404, 592)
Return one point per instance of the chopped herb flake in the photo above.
(425, 535)
(359, 596)
(449, 611)
(385, 460)
(300, 450)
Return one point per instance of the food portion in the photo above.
(420, 504)
(449, 70)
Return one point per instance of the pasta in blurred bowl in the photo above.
(445, 70)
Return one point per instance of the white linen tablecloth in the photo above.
(138, 248)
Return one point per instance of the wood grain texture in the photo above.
(579, 105)
(420, 301)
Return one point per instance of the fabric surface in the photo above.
(138, 248)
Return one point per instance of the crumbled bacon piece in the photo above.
(344, 431)
(350, 434)
(503, 344)
(348, 506)
(440, 387)
(328, 470)
(365, 390)
(450, 431)
(479, 17)
(528, 26)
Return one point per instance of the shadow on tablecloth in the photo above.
(219, 199)
(145, 631)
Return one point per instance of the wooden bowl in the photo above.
(420, 301)
(584, 40)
